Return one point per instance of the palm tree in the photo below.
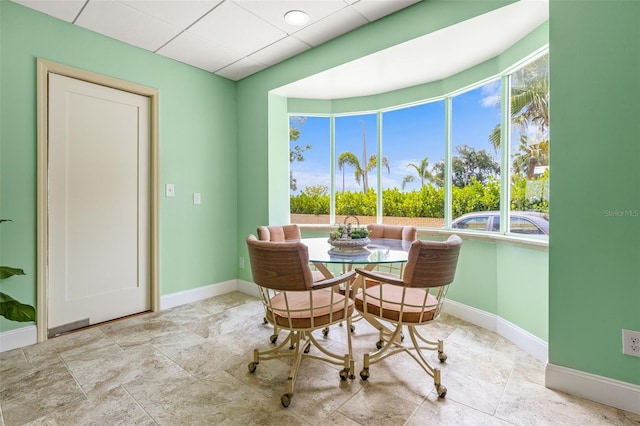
(529, 156)
(423, 172)
(350, 159)
(372, 164)
(529, 98)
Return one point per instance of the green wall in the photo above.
(594, 256)
(197, 149)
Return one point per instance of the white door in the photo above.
(98, 203)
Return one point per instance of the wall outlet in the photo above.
(631, 342)
(241, 263)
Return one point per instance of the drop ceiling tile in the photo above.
(180, 13)
(280, 51)
(331, 27)
(61, 9)
(376, 9)
(241, 69)
(192, 50)
(232, 27)
(273, 11)
(126, 24)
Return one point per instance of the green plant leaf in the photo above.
(7, 271)
(13, 310)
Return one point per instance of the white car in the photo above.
(531, 223)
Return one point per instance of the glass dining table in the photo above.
(378, 251)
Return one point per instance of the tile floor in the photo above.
(188, 366)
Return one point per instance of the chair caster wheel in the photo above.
(285, 399)
(442, 356)
(442, 391)
(344, 374)
(307, 348)
(353, 328)
(379, 344)
(364, 374)
(252, 367)
(264, 320)
(325, 331)
(401, 337)
(273, 338)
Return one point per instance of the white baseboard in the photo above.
(248, 288)
(526, 341)
(195, 294)
(470, 314)
(533, 345)
(604, 390)
(18, 338)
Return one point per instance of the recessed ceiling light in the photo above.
(296, 18)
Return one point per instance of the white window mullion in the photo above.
(448, 197)
(379, 171)
(505, 141)
(332, 169)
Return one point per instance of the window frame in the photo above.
(504, 151)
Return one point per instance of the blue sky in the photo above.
(408, 135)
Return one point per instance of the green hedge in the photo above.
(427, 202)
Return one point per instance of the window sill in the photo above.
(465, 235)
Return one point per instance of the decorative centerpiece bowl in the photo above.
(347, 243)
(348, 237)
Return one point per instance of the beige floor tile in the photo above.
(527, 403)
(32, 391)
(117, 407)
(188, 365)
(380, 403)
(101, 371)
(447, 412)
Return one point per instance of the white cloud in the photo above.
(491, 94)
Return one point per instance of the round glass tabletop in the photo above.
(377, 251)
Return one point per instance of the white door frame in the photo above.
(44, 68)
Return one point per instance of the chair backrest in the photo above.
(280, 265)
(394, 232)
(432, 263)
(279, 233)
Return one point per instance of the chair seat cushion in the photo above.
(325, 310)
(415, 309)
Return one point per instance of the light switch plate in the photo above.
(170, 190)
(196, 198)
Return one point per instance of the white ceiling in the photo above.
(231, 38)
(237, 38)
(432, 57)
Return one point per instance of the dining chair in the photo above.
(413, 300)
(295, 303)
(406, 234)
(279, 233)
(282, 233)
